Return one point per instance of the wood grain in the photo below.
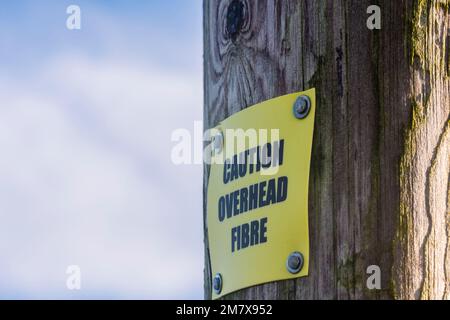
(379, 180)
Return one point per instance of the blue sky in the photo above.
(86, 176)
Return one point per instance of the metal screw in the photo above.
(294, 262)
(218, 142)
(302, 106)
(217, 283)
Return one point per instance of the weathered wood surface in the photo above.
(379, 182)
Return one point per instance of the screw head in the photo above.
(294, 262)
(217, 283)
(302, 106)
(218, 142)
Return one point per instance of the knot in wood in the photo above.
(235, 18)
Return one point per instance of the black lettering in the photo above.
(234, 169)
(238, 235)
(253, 199)
(229, 205)
(245, 235)
(253, 160)
(262, 193)
(282, 189)
(251, 156)
(244, 200)
(226, 172)
(236, 203)
(281, 153)
(266, 154)
(263, 230)
(248, 234)
(221, 209)
(271, 193)
(254, 232)
(234, 238)
(277, 153)
(243, 164)
(258, 159)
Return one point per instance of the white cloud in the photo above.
(86, 179)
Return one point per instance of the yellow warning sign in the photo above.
(257, 202)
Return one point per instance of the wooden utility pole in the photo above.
(379, 182)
